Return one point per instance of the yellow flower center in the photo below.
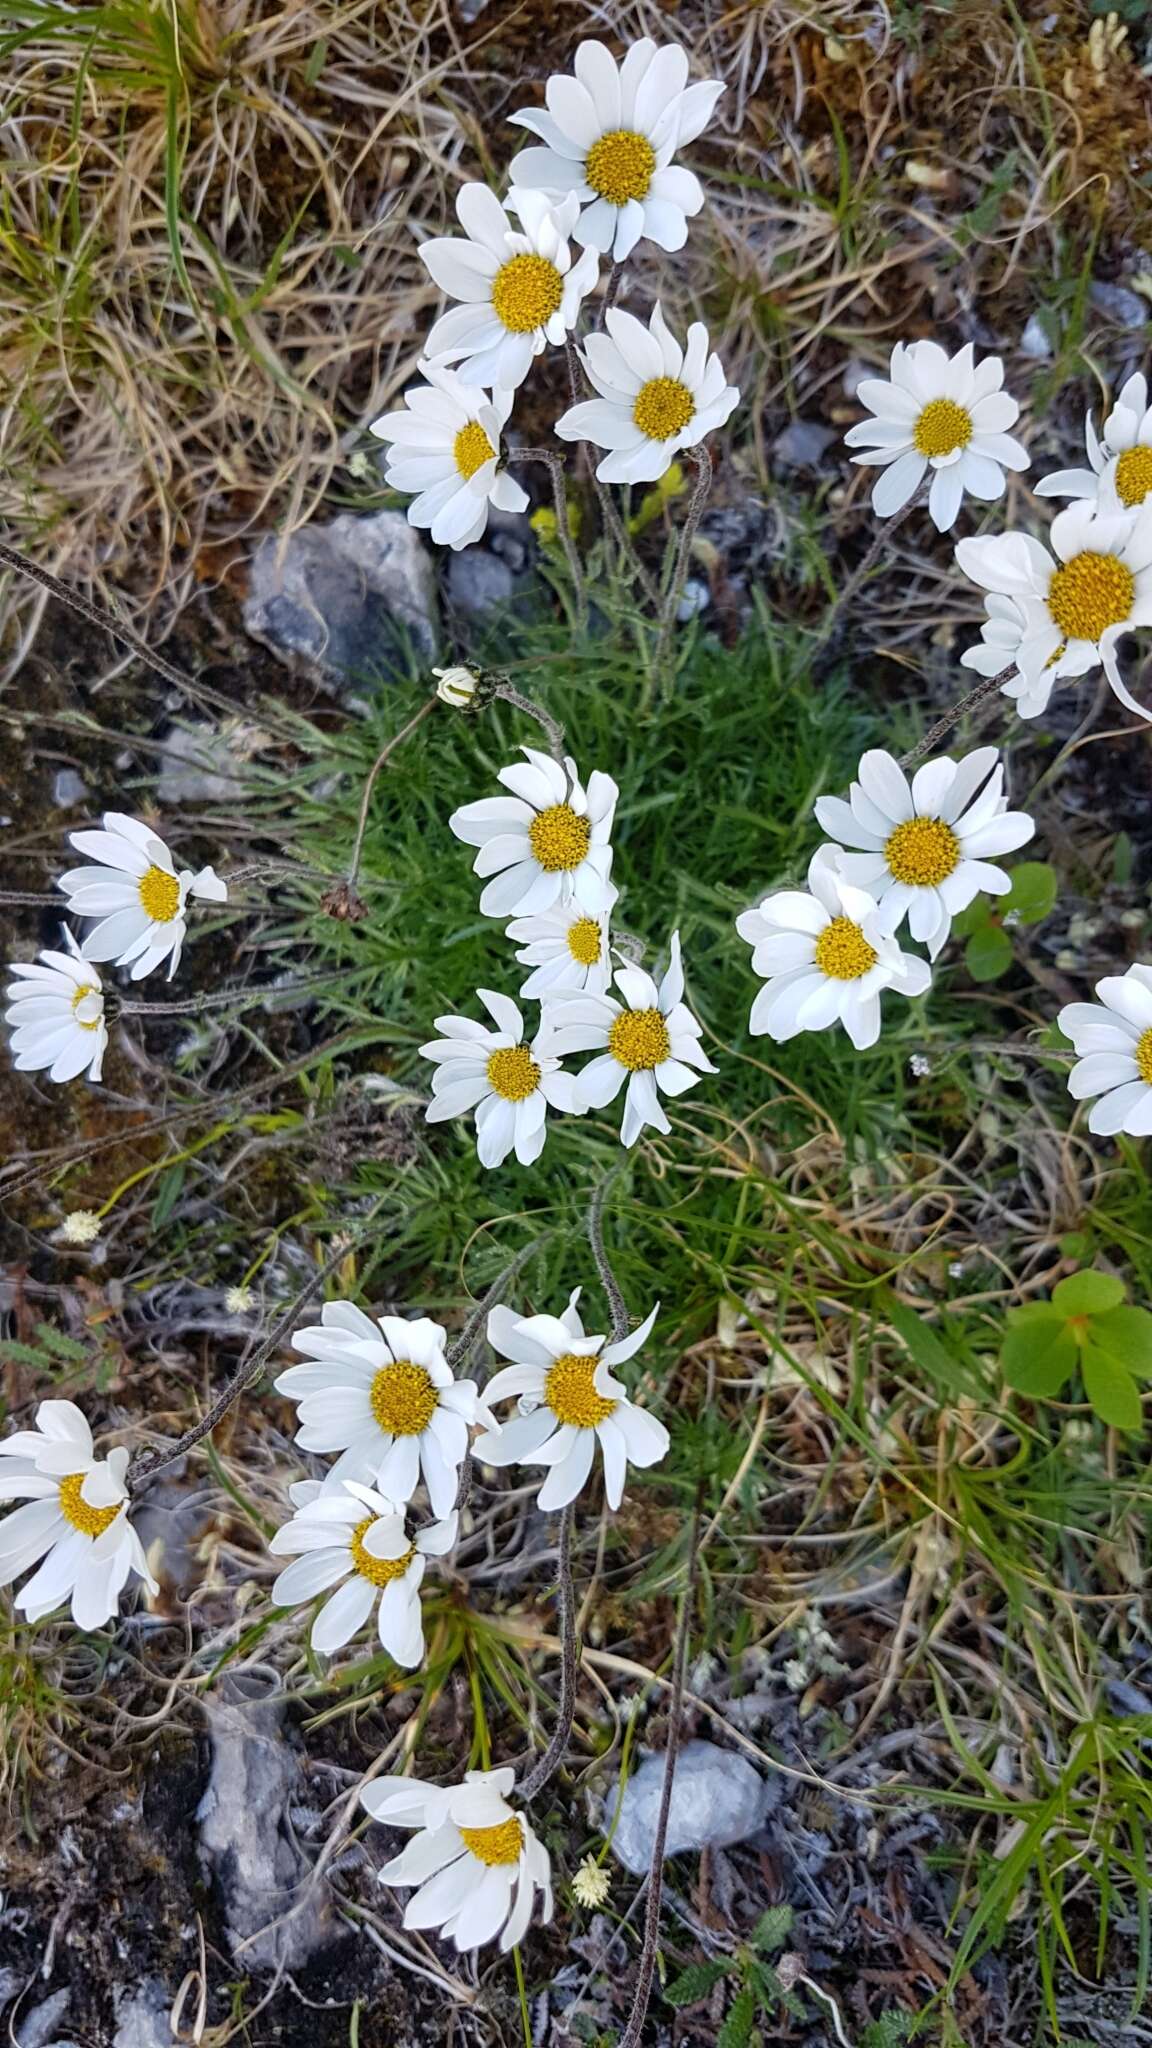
(942, 428)
(526, 291)
(842, 951)
(91, 1022)
(513, 1073)
(584, 941)
(380, 1570)
(570, 1392)
(159, 894)
(559, 838)
(403, 1398)
(1144, 1057)
(620, 165)
(1134, 476)
(922, 851)
(471, 449)
(501, 1844)
(75, 1509)
(663, 407)
(1089, 594)
(639, 1040)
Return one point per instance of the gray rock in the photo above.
(478, 581)
(198, 766)
(695, 597)
(804, 443)
(37, 2029)
(1034, 341)
(248, 1846)
(68, 789)
(142, 2020)
(717, 1798)
(344, 598)
(1127, 308)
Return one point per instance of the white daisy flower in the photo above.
(136, 893)
(549, 842)
(446, 447)
(519, 286)
(655, 397)
(923, 849)
(76, 1520)
(1113, 1041)
(382, 1394)
(609, 137)
(651, 1040)
(568, 1402)
(567, 950)
(510, 1085)
(353, 1534)
(825, 956)
(1002, 635)
(1076, 601)
(939, 412)
(56, 1010)
(476, 1862)
(1119, 477)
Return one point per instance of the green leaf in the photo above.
(737, 2027)
(1126, 1334)
(1033, 891)
(968, 921)
(927, 1349)
(694, 1983)
(1088, 1294)
(1038, 1353)
(1110, 1389)
(772, 1928)
(988, 953)
(68, 1348)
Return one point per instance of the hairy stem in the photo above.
(630, 2038)
(838, 614)
(703, 465)
(611, 292)
(550, 726)
(380, 762)
(560, 501)
(553, 1756)
(95, 614)
(458, 1352)
(608, 1280)
(984, 689)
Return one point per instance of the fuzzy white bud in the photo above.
(455, 686)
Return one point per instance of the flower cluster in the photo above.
(601, 179)
(919, 850)
(137, 901)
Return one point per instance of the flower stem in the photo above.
(544, 719)
(630, 2038)
(611, 292)
(96, 616)
(566, 1711)
(935, 733)
(608, 1280)
(560, 501)
(380, 761)
(702, 461)
(837, 616)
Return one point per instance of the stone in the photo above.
(248, 1840)
(804, 443)
(198, 766)
(37, 2029)
(347, 599)
(1034, 341)
(478, 581)
(68, 789)
(1125, 307)
(717, 1799)
(142, 2020)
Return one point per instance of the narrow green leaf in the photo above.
(1110, 1389)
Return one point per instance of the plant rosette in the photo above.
(1087, 1324)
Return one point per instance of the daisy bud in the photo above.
(591, 1884)
(82, 1226)
(457, 686)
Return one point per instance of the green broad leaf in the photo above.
(1038, 1354)
(1088, 1294)
(694, 1983)
(737, 2029)
(988, 953)
(772, 1928)
(1033, 891)
(1126, 1334)
(968, 921)
(1110, 1389)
